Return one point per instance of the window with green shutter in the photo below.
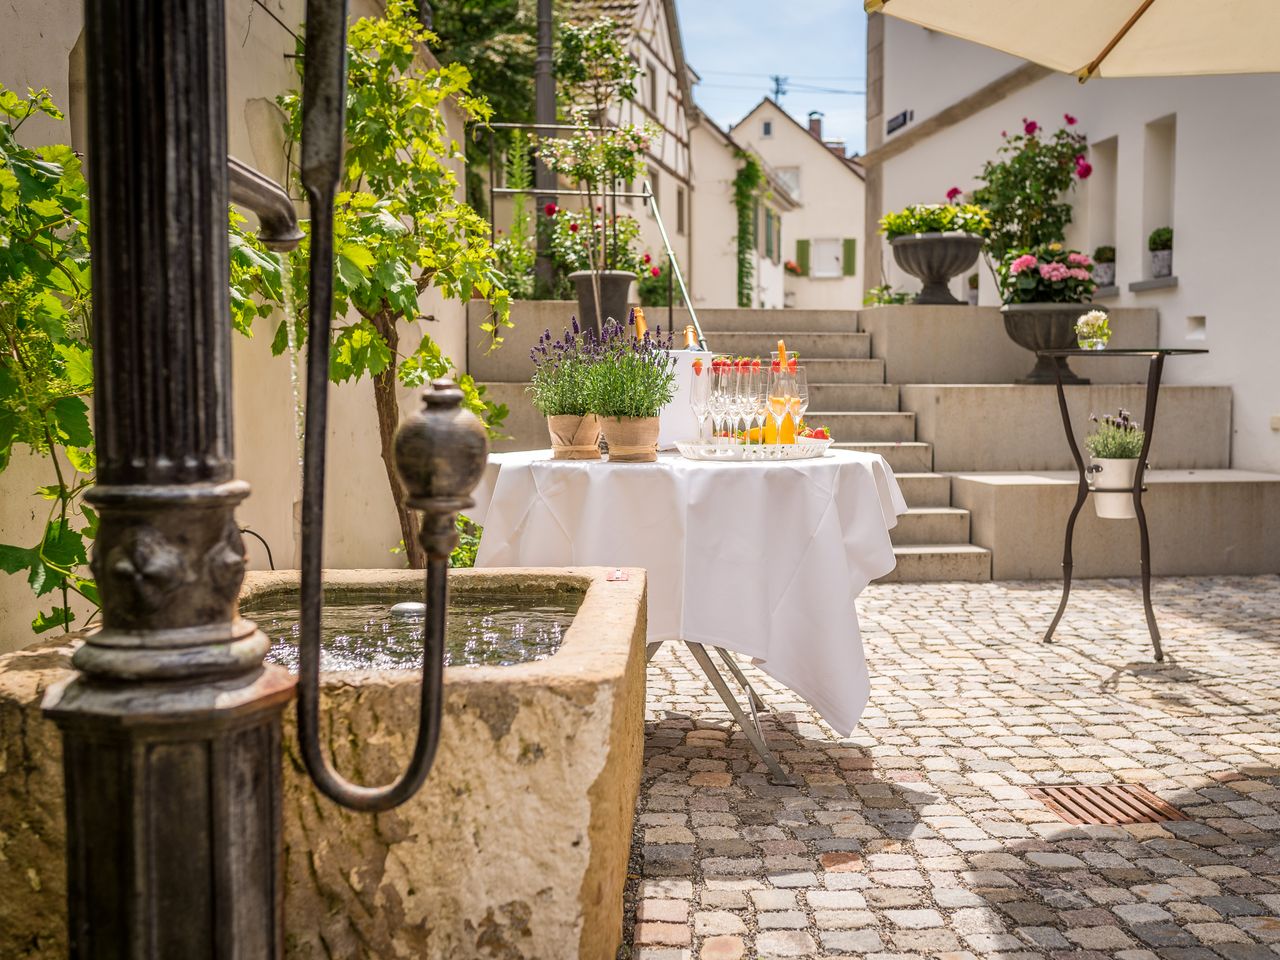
(850, 258)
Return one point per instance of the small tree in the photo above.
(1024, 189)
(399, 227)
(596, 71)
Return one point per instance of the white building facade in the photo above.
(1197, 154)
(824, 235)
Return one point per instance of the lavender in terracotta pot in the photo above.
(630, 383)
(558, 390)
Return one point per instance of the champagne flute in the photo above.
(718, 401)
(782, 390)
(700, 397)
(800, 402)
(759, 400)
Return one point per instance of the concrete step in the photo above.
(735, 320)
(931, 525)
(844, 371)
(861, 397)
(1201, 522)
(825, 346)
(908, 457)
(860, 427)
(922, 563)
(925, 489)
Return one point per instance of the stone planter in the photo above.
(574, 438)
(1106, 474)
(631, 439)
(971, 296)
(934, 258)
(517, 845)
(1104, 274)
(615, 285)
(1161, 263)
(1044, 326)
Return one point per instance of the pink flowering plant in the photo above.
(1025, 190)
(1049, 273)
(586, 240)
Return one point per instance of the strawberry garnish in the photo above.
(697, 366)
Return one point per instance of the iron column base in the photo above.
(157, 769)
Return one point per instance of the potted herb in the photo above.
(1093, 330)
(1042, 289)
(558, 389)
(935, 242)
(597, 73)
(1104, 266)
(628, 384)
(1160, 243)
(1115, 446)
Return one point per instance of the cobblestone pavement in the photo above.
(915, 837)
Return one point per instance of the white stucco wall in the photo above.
(714, 264)
(831, 203)
(361, 526)
(1223, 205)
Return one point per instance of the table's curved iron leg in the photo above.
(1082, 494)
(749, 729)
(1144, 538)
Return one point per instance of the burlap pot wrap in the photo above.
(574, 438)
(631, 439)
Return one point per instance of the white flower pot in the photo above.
(1113, 475)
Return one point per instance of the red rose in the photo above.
(1083, 169)
(952, 194)
(656, 272)
(1071, 121)
(1031, 128)
(573, 228)
(549, 209)
(646, 258)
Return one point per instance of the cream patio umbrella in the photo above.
(1111, 38)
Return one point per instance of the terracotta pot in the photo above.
(935, 258)
(574, 438)
(1112, 474)
(631, 439)
(614, 287)
(1045, 326)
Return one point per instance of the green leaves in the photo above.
(358, 349)
(71, 422)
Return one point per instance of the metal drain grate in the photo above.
(1111, 803)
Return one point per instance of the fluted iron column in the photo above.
(171, 730)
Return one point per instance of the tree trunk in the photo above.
(384, 396)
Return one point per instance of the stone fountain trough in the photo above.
(516, 848)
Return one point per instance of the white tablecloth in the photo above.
(764, 559)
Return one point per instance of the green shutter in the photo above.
(850, 264)
(802, 257)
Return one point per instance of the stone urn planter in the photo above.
(1044, 326)
(1104, 274)
(574, 438)
(631, 439)
(614, 287)
(1108, 474)
(1161, 263)
(934, 258)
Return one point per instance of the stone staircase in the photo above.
(848, 394)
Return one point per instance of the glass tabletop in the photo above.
(1119, 352)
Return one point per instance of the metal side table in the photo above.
(1155, 369)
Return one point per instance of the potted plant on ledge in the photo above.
(558, 390)
(627, 385)
(1104, 266)
(1115, 447)
(1160, 243)
(599, 254)
(1042, 291)
(935, 242)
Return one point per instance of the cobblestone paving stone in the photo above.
(915, 837)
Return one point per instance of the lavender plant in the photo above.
(558, 386)
(1115, 438)
(632, 377)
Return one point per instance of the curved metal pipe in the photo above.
(277, 219)
(324, 92)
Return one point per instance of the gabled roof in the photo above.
(848, 163)
(776, 186)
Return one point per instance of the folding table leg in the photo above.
(751, 730)
(650, 649)
(757, 702)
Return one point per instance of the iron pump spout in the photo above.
(440, 452)
(277, 219)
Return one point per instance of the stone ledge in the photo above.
(1201, 522)
(1158, 283)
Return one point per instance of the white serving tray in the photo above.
(727, 451)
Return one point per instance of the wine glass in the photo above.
(718, 402)
(700, 397)
(782, 391)
(800, 403)
(742, 397)
(759, 399)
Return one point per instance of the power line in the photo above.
(732, 73)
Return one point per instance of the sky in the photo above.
(820, 45)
